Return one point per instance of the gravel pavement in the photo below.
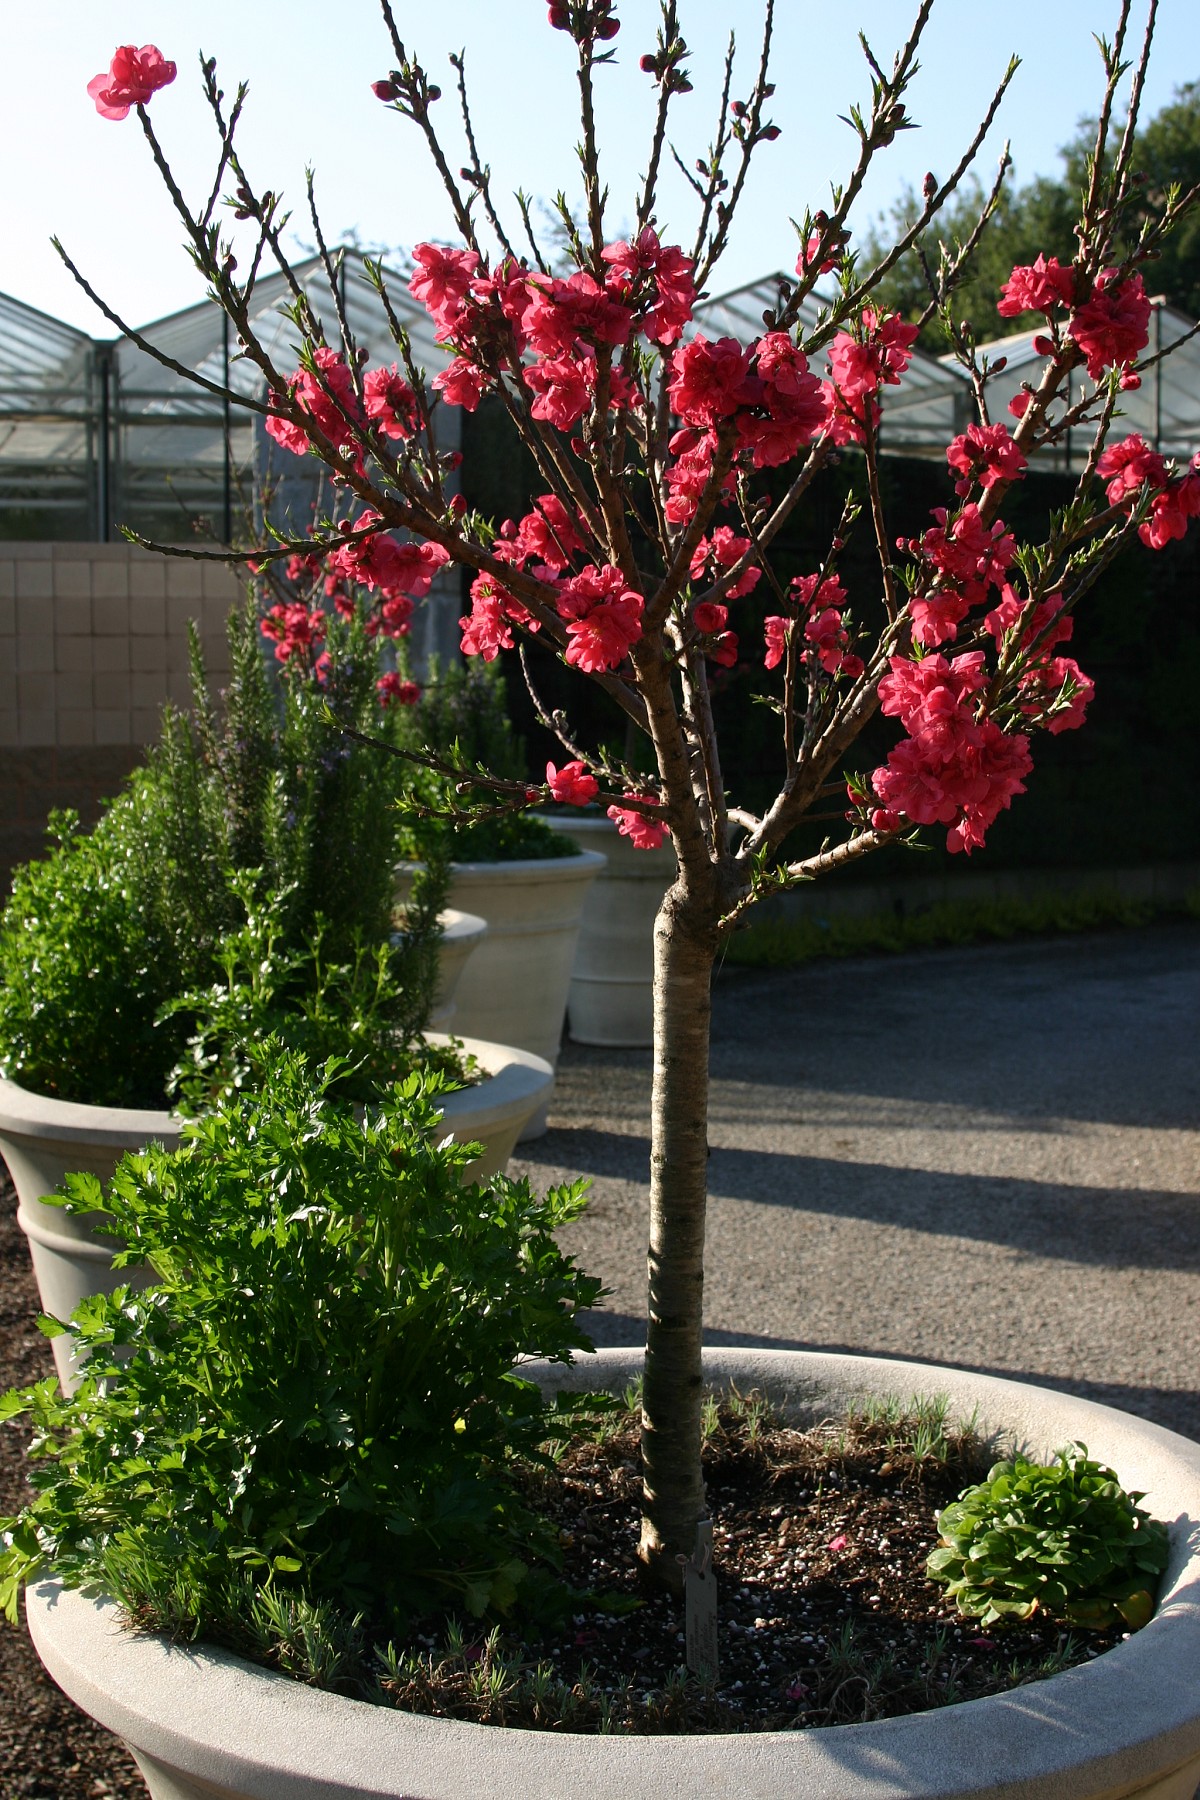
(988, 1157)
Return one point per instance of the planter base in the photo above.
(611, 1001)
(204, 1724)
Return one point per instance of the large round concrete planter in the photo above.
(612, 984)
(43, 1139)
(514, 991)
(202, 1723)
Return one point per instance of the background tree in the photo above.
(1039, 217)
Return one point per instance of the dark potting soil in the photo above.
(826, 1616)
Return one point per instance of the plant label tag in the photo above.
(700, 1605)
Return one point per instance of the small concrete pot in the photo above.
(462, 934)
(43, 1139)
(514, 991)
(203, 1724)
(612, 983)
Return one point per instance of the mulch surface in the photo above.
(826, 1615)
(49, 1750)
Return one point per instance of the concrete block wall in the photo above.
(93, 641)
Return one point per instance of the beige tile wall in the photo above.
(93, 640)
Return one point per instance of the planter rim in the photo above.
(26, 1113)
(584, 822)
(511, 1074)
(645, 864)
(1086, 1732)
(461, 927)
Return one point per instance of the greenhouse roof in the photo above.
(94, 428)
(197, 336)
(1165, 410)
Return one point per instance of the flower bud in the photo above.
(770, 132)
(608, 28)
(560, 18)
(385, 90)
(648, 65)
(433, 93)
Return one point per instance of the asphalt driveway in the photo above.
(986, 1157)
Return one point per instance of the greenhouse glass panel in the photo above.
(99, 435)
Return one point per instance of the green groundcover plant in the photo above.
(1063, 1538)
(461, 719)
(314, 1411)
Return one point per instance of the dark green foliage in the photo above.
(261, 804)
(462, 716)
(86, 961)
(320, 1412)
(1062, 1537)
(369, 1008)
(782, 943)
(270, 783)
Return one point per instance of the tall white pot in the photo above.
(612, 984)
(43, 1140)
(514, 990)
(203, 1724)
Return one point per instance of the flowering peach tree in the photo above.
(649, 524)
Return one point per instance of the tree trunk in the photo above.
(684, 952)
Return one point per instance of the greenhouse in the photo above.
(1164, 410)
(933, 401)
(100, 434)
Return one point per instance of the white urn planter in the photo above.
(203, 1723)
(612, 984)
(43, 1140)
(514, 990)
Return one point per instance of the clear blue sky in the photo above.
(309, 65)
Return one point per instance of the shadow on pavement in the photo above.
(1096, 1027)
(1122, 1228)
